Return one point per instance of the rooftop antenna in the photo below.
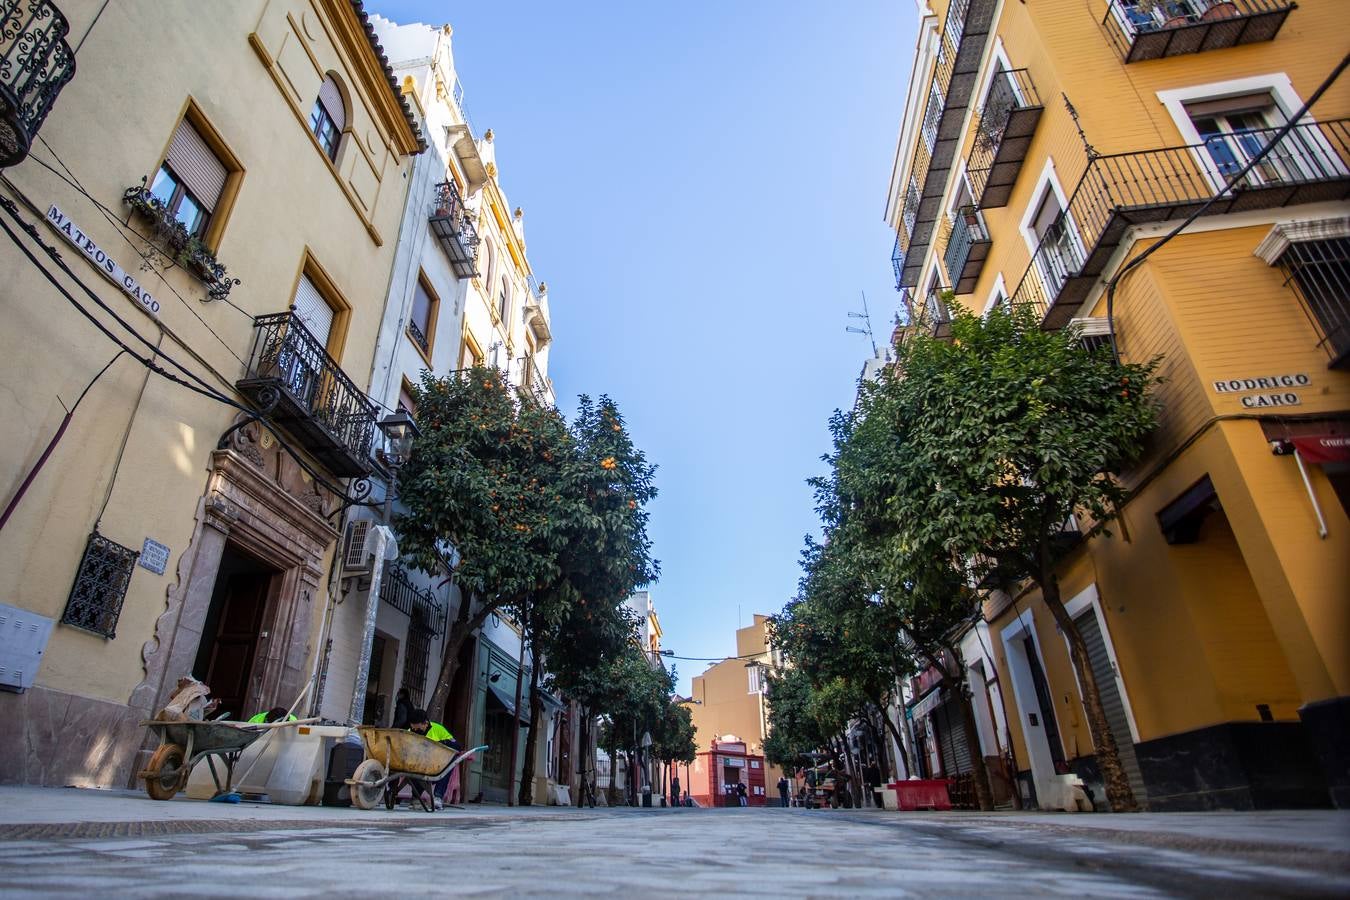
(867, 323)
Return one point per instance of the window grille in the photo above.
(1319, 272)
(101, 582)
(416, 656)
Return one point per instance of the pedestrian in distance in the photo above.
(674, 790)
(783, 789)
(742, 794)
(403, 709)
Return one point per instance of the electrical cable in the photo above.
(1225, 190)
(51, 445)
(122, 448)
(149, 363)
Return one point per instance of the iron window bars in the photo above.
(418, 603)
(95, 601)
(35, 64)
(1319, 272)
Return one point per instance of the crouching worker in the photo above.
(275, 714)
(420, 723)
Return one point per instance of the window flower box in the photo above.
(178, 244)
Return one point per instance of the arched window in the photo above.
(328, 117)
(504, 299)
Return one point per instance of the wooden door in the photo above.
(235, 645)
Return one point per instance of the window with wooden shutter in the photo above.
(191, 179)
(328, 117)
(422, 322)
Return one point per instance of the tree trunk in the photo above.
(899, 742)
(1118, 791)
(532, 735)
(514, 759)
(463, 628)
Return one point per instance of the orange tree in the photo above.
(963, 462)
(492, 483)
(574, 622)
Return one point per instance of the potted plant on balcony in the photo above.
(1219, 9)
(177, 244)
(1167, 13)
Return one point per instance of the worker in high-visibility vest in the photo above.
(420, 723)
(274, 714)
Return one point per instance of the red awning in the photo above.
(1323, 448)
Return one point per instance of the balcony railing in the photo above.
(1006, 125)
(35, 63)
(453, 226)
(898, 261)
(1310, 164)
(967, 249)
(1160, 28)
(965, 32)
(399, 591)
(417, 336)
(533, 383)
(291, 375)
(931, 317)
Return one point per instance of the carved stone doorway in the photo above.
(258, 505)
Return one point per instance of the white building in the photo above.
(462, 293)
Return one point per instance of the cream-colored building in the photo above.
(155, 538)
(727, 703)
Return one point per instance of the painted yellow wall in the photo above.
(111, 125)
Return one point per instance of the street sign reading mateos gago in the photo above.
(106, 265)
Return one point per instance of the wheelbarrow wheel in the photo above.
(165, 774)
(367, 787)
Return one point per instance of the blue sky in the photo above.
(703, 187)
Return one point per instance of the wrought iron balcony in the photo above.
(1160, 28)
(898, 261)
(399, 591)
(1006, 125)
(35, 63)
(931, 317)
(967, 249)
(300, 387)
(533, 384)
(453, 226)
(1310, 165)
(965, 32)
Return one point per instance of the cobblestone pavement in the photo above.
(653, 853)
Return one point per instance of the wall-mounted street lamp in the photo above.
(400, 431)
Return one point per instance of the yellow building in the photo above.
(727, 706)
(149, 537)
(1046, 145)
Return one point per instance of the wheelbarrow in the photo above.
(393, 755)
(183, 744)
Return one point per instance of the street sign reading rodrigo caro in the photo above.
(106, 265)
(1276, 397)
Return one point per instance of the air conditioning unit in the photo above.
(357, 552)
(1094, 332)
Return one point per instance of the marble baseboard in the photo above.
(55, 739)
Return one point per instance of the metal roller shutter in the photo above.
(331, 98)
(313, 310)
(953, 745)
(192, 161)
(1112, 703)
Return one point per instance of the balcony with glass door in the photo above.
(967, 249)
(299, 386)
(1310, 164)
(1154, 29)
(1012, 110)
